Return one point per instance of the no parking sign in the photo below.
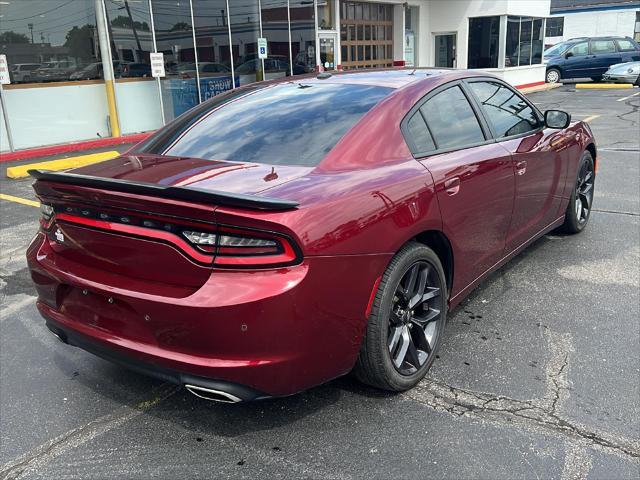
(262, 48)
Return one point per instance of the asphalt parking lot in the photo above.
(538, 376)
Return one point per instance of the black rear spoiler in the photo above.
(179, 193)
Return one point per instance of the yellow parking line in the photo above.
(604, 85)
(23, 201)
(592, 117)
(627, 98)
(62, 164)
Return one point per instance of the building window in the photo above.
(325, 15)
(524, 42)
(303, 36)
(46, 45)
(482, 49)
(245, 30)
(555, 27)
(366, 32)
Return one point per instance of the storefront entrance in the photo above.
(445, 54)
(366, 35)
(328, 59)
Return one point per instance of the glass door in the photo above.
(445, 50)
(328, 42)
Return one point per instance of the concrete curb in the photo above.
(603, 85)
(541, 88)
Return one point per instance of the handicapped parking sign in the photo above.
(262, 48)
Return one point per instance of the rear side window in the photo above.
(602, 46)
(285, 124)
(507, 112)
(625, 45)
(419, 134)
(451, 120)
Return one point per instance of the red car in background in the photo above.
(286, 233)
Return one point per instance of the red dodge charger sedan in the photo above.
(289, 232)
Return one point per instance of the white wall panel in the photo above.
(50, 115)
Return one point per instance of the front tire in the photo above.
(406, 321)
(553, 75)
(581, 201)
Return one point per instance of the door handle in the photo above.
(521, 167)
(452, 185)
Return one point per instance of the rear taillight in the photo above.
(46, 212)
(220, 245)
(236, 247)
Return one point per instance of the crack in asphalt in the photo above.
(40, 456)
(540, 414)
(616, 212)
(461, 402)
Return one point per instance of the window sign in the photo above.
(4, 71)
(409, 48)
(157, 64)
(262, 48)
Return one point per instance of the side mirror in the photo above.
(568, 54)
(557, 119)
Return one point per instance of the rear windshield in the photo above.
(285, 124)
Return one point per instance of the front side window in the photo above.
(451, 120)
(285, 124)
(506, 111)
(602, 46)
(579, 49)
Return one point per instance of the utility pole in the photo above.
(107, 66)
(133, 27)
(30, 25)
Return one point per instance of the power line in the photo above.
(38, 14)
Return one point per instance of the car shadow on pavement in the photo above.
(202, 417)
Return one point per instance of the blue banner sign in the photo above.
(184, 95)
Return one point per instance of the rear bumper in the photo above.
(620, 78)
(75, 339)
(271, 332)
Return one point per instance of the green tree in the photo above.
(180, 26)
(79, 41)
(125, 22)
(13, 37)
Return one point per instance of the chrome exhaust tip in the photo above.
(212, 395)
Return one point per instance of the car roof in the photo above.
(605, 37)
(391, 78)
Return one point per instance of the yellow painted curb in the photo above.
(23, 201)
(604, 85)
(62, 164)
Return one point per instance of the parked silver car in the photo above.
(23, 72)
(628, 72)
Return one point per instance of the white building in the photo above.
(211, 45)
(592, 18)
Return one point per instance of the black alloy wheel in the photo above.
(581, 202)
(584, 192)
(406, 321)
(413, 322)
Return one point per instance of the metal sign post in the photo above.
(5, 79)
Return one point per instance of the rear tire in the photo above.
(406, 321)
(581, 201)
(553, 75)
